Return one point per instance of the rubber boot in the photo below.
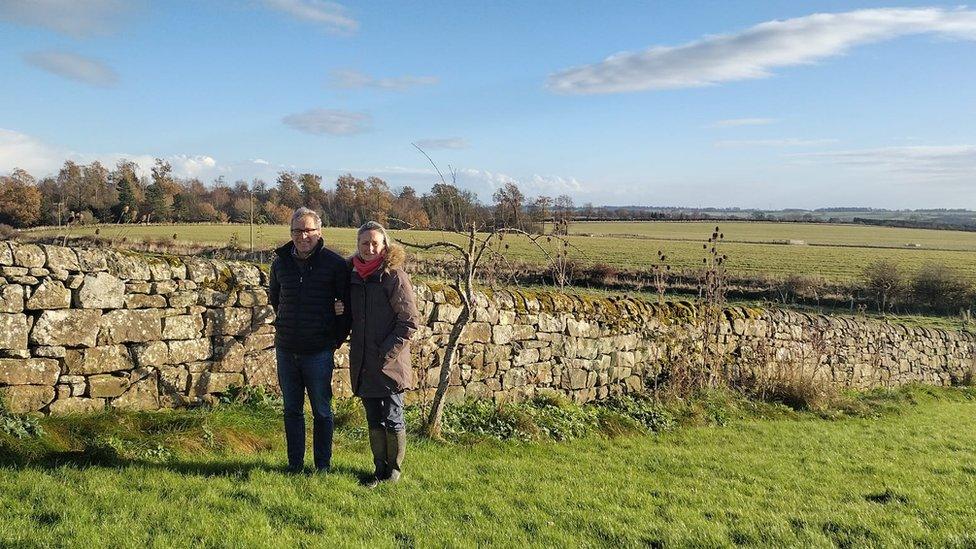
(377, 445)
(396, 447)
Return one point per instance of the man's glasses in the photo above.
(297, 232)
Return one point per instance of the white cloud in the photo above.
(192, 166)
(78, 18)
(736, 122)
(350, 79)
(40, 159)
(74, 67)
(755, 52)
(18, 150)
(332, 16)
(921, 163)
(261, 161)
(782, 142)
(446, 143)
(330, 121)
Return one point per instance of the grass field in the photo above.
(901, 479)
(840, 252)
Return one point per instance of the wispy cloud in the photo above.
(533, 185)
(736, 122)
(334, 17)
(78, 18)
(781, 142)
(348, 79)
(919, 163)
(446, 143)
(329, 121)
(757, 51)
(74, 67)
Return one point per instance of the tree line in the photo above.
(84, 194)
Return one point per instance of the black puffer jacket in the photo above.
(303, 297)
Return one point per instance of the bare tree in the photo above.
(478, 245)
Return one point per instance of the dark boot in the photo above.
(377, 445)
(396, 447)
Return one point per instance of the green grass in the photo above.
(845, 251)
(903, 478)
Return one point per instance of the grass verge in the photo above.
(898, 468)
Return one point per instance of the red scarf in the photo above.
(366, 268)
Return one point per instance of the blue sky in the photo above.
(751, 104)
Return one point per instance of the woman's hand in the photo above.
(340, 308)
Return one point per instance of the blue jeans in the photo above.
(298, 373)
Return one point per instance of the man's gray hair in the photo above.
(305, 212)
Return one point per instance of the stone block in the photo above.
(105, 385)
(91, 260)
(126, 266)
(182, 326)
(27, 398)
(28, 255)
(98, 360)
(163, 287)
(213, 298)
(183, 298)
(251, 298)
(200, 271)
(159, 269)
(100, 291)
(141, 301)
(11, 298)
(500, 335)
(258, 342)
(129, 325)
(550, 323)
(516, 377)
(13, 331)
(173, 380)
(59, 257)
(476, 332)
(244, 274)
(206, 383)
(6, 255)
(78, 384)
(138, 287)
(189, 350)
(77, 405)
(229, 321)
(30, 371)
(39, 272)
(141, 395)
(229, 356)
(51, 294)
(44, 351)
(260, 368)
(24, 280)
(153, 353)
(523, 332)
(573, 378)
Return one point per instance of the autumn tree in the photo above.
(20, 201)
(289, 193)
(129, 191)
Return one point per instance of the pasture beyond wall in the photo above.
(82, 329)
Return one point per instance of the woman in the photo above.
(384, 317)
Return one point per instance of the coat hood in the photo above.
(396, 257)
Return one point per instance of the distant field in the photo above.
(836, 252)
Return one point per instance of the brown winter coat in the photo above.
(384, 317)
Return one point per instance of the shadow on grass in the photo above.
(223, 467)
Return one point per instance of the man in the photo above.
(306, 280)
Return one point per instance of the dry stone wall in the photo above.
(84, 329)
